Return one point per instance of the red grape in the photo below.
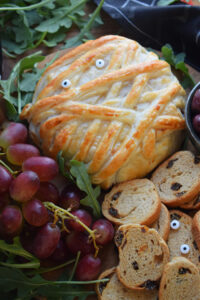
(78, 241)
(35, 213)
(61, 253)
(5, 179)
(45, 167)
(196, 123)
(104, 231)
(13, 133)
(48, 192)
(70, 197)
(46, 240)
(84, 217)
(18, 153)
(4, 200)
(88, 268)
(196, 102)
(11, 220)
(24, 186)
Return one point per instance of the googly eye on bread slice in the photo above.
(115, 290)
(180, 281)
(181, 241)
(196, 229)
(178, 178)
(135, 201)
(193, 204)
(142, 256)
(162, 224)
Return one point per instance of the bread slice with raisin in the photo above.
(115, 290)
(180, 281)
(178, 178)
(193, 204)
(181, 241)
(135, 202)
(196, 229)
(162, 224)
(142, 256)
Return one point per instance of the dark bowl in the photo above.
(195, 139)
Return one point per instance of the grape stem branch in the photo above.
(60, 213)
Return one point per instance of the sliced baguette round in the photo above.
(196, 229)
(142, 256)
(178, 178)
(180, 281)
(115, 290)
(193, 204)
(135, 202)
(162, 224)
(181, 236)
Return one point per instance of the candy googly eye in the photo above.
(185, 249)
(66, 83)
(175, 224)
(100, 63)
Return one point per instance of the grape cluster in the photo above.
(24, 194)
(195, 106)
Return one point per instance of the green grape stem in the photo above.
(61, 213)
(8, 168)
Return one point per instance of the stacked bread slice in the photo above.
(158, 247)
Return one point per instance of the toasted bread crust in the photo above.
(196, 228)
(135, 202)
(178, 178)
(183, 235)
(115, 290)
(180, 281)
(162, 224)
(139, 247)
(193, 204)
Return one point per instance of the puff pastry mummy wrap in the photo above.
(121, 122)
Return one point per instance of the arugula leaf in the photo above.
(29, 23)
(17, 249)
(18, 89)
(78, 170)
(28, 287)
(177, 61)
(61, 164)
(85, 31)
(78, 173)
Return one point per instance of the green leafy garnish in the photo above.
(18, 89)
(16, 249)
(30, 23)
(85, 31)
(28, 287)
(177, 61)
(78, 173)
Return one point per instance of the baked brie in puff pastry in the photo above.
(111, 104)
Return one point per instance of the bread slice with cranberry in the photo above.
(196, 229)
(135, 202)
(178, 178)
(142, 256)
(181, 241)
(162, 224)
(115, 290)
(180, 281)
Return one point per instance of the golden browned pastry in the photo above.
(111, 104)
